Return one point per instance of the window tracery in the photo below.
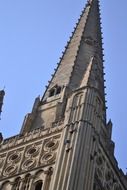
(16, 185)
(26, 182)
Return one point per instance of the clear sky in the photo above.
(32, 37)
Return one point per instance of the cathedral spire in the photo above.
(81, 66)
(65, 142)
(85, 43)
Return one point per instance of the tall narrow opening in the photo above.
(38, 185)
(16, 185)
(58, 90)
(26, 183)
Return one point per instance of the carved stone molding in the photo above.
(48, 158)
(32, 151)
(52, 144)
(14, 157)
(28, 164)
(10, 170)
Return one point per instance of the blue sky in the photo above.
(32, 37)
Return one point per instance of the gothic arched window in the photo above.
(38, 185)
(17, 182)
(55, 91)
(26, 182)
(76, 107)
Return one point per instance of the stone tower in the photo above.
(65, 142)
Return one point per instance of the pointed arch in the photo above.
(76, 107)
(38, 181)
(39, 176)
(17, 182)
(26, 182)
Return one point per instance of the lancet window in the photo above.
(26, 182)
(16, 185)
(39, 185)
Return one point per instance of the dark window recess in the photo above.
(52, 93)
(55, 91)
(17, 184)
(58, 90)
(26, 182)
(38, 185)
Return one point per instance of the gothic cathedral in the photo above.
(65, 142)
